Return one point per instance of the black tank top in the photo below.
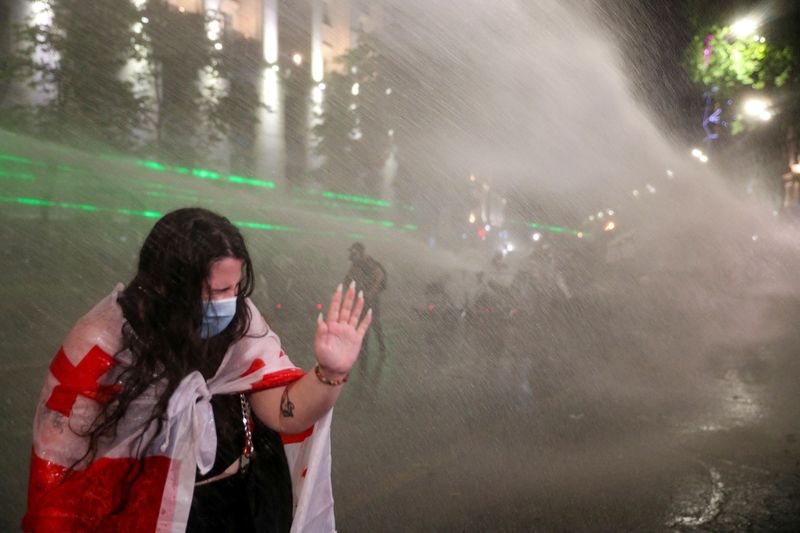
(259, 499)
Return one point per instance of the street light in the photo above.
(744, 27)
(297, 59)
(755, 106)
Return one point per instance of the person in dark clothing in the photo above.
(371, 277)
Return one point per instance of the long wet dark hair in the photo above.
(163, 308)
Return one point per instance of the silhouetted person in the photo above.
(370, 277)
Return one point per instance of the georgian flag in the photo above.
(84, 374)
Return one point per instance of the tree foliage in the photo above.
(74, 62)
(716, 57)
(355, 131)
(77, 62)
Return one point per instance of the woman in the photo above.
(145, 423)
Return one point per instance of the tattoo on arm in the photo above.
(287, 407)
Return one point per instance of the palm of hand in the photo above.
(339, 336)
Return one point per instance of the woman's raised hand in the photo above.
(339, 335)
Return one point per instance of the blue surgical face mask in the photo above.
(217, 314)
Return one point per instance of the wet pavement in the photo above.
(459, 440)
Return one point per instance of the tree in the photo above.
(75, 59)
(143, 80)
(176, 48)
(233, 114)
(729, 65)
(355, 131)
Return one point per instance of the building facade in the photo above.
(284, 49)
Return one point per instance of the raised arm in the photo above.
(296, 407)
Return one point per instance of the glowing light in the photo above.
(696, 152)
(487, 227)
(138, 4)
(485, 186)
(744, 27)
(297, 59)
(275, 68)
(755, 237)
(213, 28)
(42, 13)
(509, 247)
(766, 116)
(357, 199)
(317, 95)
(591, 218)
(472, 177)
(579, 235)
(145, 20)
(536, 236)
(251, 181)
(635, 193)
(610, 226)
(472, 218)
(180, 9)
(651, 189)
(704, 158)
(269, 32)
(354, 90)
(217, 46)
(610, 212)
(762, 40)
(670, 174)
(795, 168)
(600, 214)
(137, 27)
(755, 106)
(388, 91)
(261, 225)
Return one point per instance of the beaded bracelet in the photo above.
(326, 381)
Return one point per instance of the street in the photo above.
(588, 440)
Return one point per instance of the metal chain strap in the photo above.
(247, 452)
